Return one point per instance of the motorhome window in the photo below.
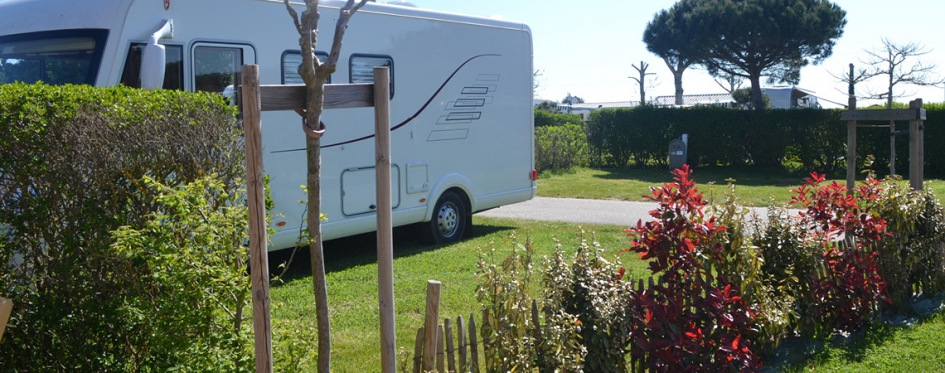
(361, 68)
(53, 57)
(215, 68)
(173, 68)
(290, 66)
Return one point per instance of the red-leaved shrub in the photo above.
(687, 320)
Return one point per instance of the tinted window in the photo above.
(361, 68)
(290, 66)
(215, 68)
(53, 57)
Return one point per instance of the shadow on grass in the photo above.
(345, 253)
(704, 175)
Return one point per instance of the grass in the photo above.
(887, 350)
(754, 187)
(352, 282)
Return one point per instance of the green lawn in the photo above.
(754, 187)
(352, 282)
(887, 350)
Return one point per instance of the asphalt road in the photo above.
(587, 211)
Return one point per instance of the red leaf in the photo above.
(735, 342)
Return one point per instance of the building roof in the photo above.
(693, 100)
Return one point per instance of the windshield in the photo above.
(53, 57)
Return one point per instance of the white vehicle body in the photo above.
(461, 112)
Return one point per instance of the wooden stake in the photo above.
(259, 253)
(916, 153)
(440, 361)
(461, 331)
(418, 351)
(385, 236)
(473, 348)
(6, 307)
(430, 325)
(450, 355)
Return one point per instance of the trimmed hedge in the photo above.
(810, 139)
(72, 161)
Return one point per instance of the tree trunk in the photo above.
(313, 112)
(757, 98)
(677, 81)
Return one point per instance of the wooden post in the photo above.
(385, 236)
(851, 149)
(258, 252)
(6, 307)
(916, 153)
(430, 325)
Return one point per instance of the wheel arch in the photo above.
(451, 183)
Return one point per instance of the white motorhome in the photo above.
(461, 107)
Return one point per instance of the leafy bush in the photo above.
(742, 263)
(72, 161)
(512, 340)
(560, 147)
(545, 119)
(194, 296)
(912, 259)
(848, 292)
(688, 319)
(593, 290)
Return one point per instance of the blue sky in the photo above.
(587, 47)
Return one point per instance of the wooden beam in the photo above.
(258, 252)
(337, 96)
(851, 149)
(882, 115)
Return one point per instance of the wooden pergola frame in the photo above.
(916, 116)
(257, 98)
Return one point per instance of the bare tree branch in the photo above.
(890, 60)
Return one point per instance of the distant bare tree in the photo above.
(852, 78)
(642, 79)
(731, 82)
(890, 60)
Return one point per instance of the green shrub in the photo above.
(560, 147)
(595, 292)
(912, 260)
(512, 340)
(545, 119)
(72, 161)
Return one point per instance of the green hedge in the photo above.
(810, 139)
(72, 165)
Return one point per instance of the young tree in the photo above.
(773, 38)
(315, 73)
(890, 60)
(673, 37)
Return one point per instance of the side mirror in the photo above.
(153, 60)
(153, 63)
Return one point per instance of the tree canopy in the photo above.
(748, 38)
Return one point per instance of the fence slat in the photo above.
(450, 355)
(473, 348)
(440, 366)
(461, 331)
(418, 351)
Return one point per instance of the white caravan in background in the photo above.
(461, 107)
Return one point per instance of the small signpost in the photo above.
(916, 116)
(257, 98)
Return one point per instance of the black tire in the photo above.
(449, 220)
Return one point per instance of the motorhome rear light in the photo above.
(534, 175)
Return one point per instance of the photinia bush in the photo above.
(687, 320)
(848, 292)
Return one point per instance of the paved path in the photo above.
(588, 211)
